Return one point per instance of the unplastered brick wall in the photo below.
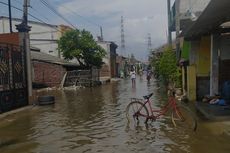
(104, 71)
(48, 73)
(9, 38)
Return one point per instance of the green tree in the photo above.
(80, 44)
(166, 67)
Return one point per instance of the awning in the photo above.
(216, 13)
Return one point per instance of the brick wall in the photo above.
(48, 73)
(10, 38)
(104, 71)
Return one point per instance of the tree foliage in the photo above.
(80, 45)
(166, 66)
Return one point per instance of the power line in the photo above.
(72, 12)
(55, 12)
(22, 11)
(19, 2)
(30, 15)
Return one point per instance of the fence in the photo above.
(82, 78)
(13, 84)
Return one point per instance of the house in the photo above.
(209, 42)
(108, 69)
(206, 48)
(42, 35)
(189, 11)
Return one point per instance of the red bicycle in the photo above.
(181, 116)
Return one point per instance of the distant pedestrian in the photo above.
(133, 77)
(149, 74)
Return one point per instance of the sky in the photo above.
(140, 18)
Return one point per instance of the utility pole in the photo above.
(101, 33)
(10, 17)
(177, 3)
(122, 37)
(23, 30)
(149, 42)
(169, 22)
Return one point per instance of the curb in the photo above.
(6, 114)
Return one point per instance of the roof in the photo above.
(39, 56)
(216, 13)
(108, 42)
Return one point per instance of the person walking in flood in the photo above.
(133, 77)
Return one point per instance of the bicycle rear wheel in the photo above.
(136, 113)
(183, 117)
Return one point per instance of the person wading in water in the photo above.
(133, 77)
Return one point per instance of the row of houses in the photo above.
(45, 55)
(48, 66)
(205, 46)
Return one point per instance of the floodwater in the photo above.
(92, 120)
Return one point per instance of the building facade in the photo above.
(42, 35)
(108, 69)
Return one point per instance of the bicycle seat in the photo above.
(148, 96)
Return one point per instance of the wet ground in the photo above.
(92, 120)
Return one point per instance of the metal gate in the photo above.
(13, 84)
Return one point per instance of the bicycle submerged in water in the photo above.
(138, 111)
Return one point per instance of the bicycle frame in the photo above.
(171, 104)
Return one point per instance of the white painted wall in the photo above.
(38, 31)
(106, 46)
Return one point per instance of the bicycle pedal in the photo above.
(153, 119)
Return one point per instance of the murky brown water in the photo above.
(93, 120)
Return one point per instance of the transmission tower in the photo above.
(149, 42)
(122, 37)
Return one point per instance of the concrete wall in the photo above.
(191, 82)
(48, 73)
(193, 5)
(203, 57)
(198, 78)
(185, 50)
(106, 67)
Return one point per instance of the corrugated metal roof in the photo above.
(39, 56)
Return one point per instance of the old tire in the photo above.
(46, 100)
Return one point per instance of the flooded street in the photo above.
(93, 120)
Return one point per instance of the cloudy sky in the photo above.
(140, 18)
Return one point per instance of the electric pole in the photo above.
(10, 17)
(101, 33)
(149, 42)
(169, 22)
(23, 30)
(122, 37)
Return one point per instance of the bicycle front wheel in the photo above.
(136, 113)
(183, 117)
